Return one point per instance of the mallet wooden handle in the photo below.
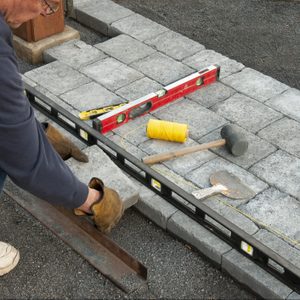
(152, 159)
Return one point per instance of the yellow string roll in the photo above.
(168, 131)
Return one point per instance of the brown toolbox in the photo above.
(42, 27)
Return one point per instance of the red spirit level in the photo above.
(152, 101)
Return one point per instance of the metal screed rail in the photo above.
(250, 247)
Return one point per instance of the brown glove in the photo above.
(64, 147)
(108, 210)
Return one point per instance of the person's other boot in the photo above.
(63, 146)
(9, 258)
(108, 210)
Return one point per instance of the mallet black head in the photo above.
(236, 143)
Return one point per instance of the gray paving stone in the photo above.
(250, 274)
(57, 77)
(125, 48)
(288, 103)
(232, 214)
(200, 176)
(180, 165)
(293, 296)
(175, 45)
(111, 73)
(101, 166)
(138, 27)
(100, 14)
(127, 146)
(285, 134)
(246, 112)
(281, 170)
(135, 130)
(175, 178)
(206, 58)
(154, 207)
(138, 89)
(162, 68)
(58, 101)
(279, 246)
(200, 120)
(74, 53)
(89, 96)
(190, 231)
(277, 210)
(229, 67)
(211, 94)
(257, 148)
(255, 84)
(26, 80)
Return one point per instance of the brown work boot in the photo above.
(63, 146)
(9, 258)
(108, 210)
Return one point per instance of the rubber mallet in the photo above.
(232, 139)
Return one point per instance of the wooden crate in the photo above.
(42, 27)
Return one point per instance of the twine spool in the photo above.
(168, 131)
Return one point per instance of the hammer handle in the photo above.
(152, 159)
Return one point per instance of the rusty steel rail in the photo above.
(82, 236)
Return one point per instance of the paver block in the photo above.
(200, 176)
(255, 84)
(175, 178)
(134, 131)
(32, 52)
(279, 246)
(100, 14)
(139, 88)
(232, 214)
(257, 279)
(89, 96)
(57, 77)
(285, 134)
(138, 27)
(162, 68)
(125, 48)
(211, 94)
(193, 233)
(271, 206)
(199, 119)
(101, 166)
(58, 101)
(127, 146)
(257, 147)
(154, 207)
(180, 165)
(229, 67)
(111, 73)
(281, 170)
(206, 58)
(74, 53)
(293, 296)
(246, 112)
(175, 45)
(288, 103)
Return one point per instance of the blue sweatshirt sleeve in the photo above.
(25, 153)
